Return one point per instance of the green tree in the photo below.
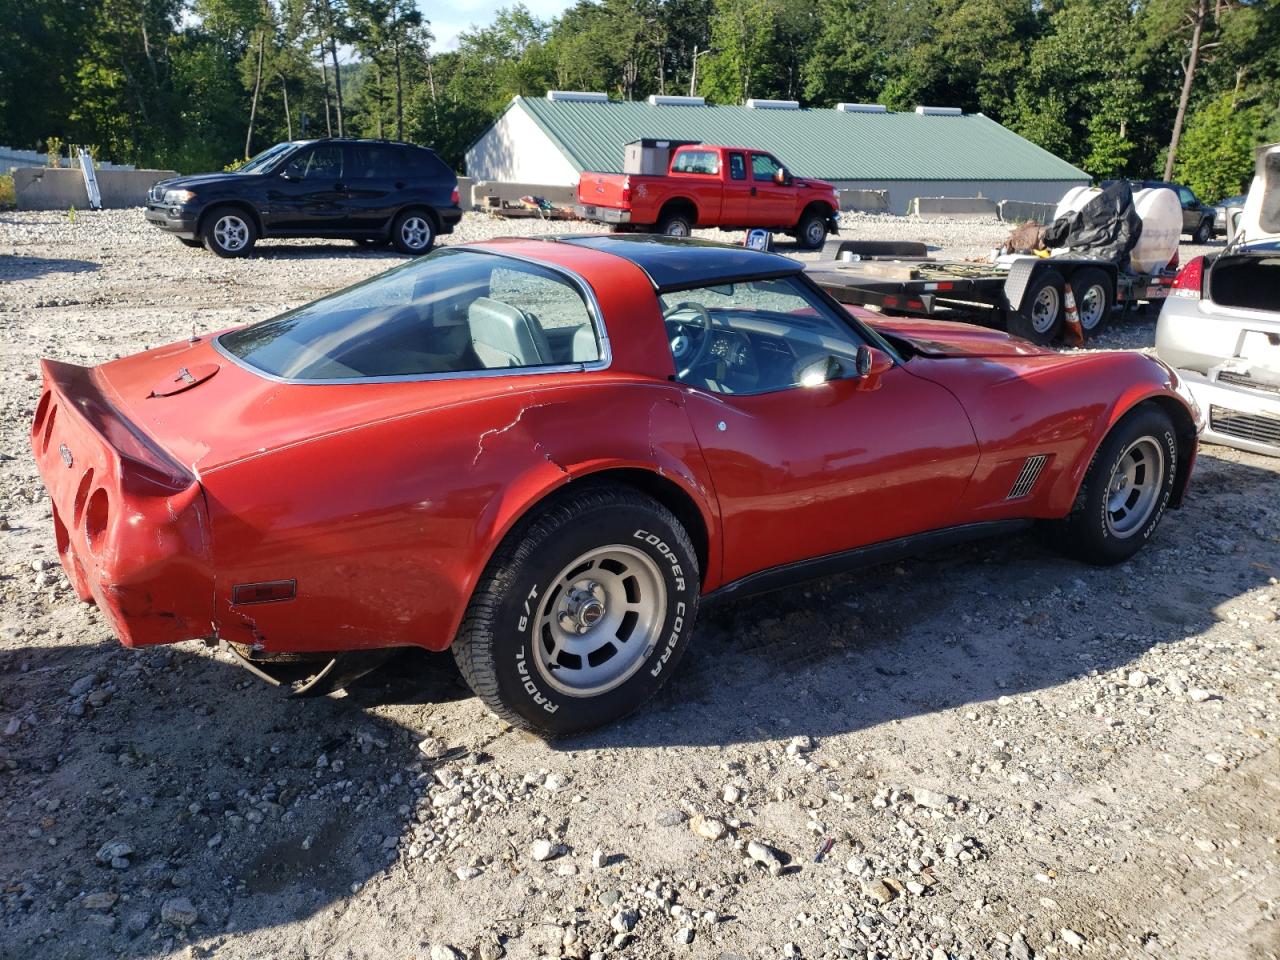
(1216, 156)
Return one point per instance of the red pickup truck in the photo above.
(706, 186)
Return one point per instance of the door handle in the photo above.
(753, 191)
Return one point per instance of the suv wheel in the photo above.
(582, 614)
(414, 232)
(1204, 232)
(229, 232)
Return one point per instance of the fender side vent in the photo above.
(1027, 477)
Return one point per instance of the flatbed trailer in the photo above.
(1039, 298)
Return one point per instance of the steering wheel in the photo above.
(687, 350)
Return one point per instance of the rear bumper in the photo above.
(588, 211)
(181, 223)
(449, 218)
(131, 525)
(1236, 416)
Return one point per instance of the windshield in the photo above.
(265, 158)
(451, 312)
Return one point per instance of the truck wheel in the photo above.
(676, 225)
(582, 614)
(811, 231)
(1124, 493)
(1040, 319)
(1204, 232)
(229, 232)
(1094, 299)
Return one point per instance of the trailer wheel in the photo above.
(1040, 319)
(1094, 299)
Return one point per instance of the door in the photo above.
(772, 204)
(803, 471)
(1191, 214)
(309, 196)
(735, 210)
(376, 176)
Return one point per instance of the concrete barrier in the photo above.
(511, 193)
(466, 187)
(864, 201)
(51, 188)
(954, 208)
(1020, 211)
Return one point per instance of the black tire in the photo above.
(413, 232)
(1087, 284)
(517, 597)
(1090, 532)
(190, 243)
(1204, 232)
(1040, 319)
(676, 223)
(229, 232)
(811, 231)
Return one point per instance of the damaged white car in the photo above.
(1220, 328)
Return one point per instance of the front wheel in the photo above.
(229, 232)
(811, 232)
(582, 614)
(414, 233)
(1125, 490)
(1204, 232)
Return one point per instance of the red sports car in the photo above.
(546, 453)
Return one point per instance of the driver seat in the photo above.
(505, 336)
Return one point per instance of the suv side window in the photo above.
(763, 166)
(376, 161)
(320, 163)
(697, 161)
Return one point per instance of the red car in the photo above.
(546, 453)
(706, 186)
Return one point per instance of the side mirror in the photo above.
(781, 177)
(820, 371)
(291, 172)
(871, 364)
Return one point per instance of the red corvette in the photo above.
(545, 454)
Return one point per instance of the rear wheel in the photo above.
(413, 232)
(582, 613)
(1040, 319)
(1094, 299)
(676, 223)
(1204, 232)
(811, 231)
(229, 232)
(1125, 490)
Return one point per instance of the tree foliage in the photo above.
(192, 83)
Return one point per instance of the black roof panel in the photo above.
(673, 262)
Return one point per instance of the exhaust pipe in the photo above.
(310, 675)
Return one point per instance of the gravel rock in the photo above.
(104, 900)
(444, 951)
(670, 818)
(115, 853)
(545, 850)
(178, 911)
(764, 854)
(708, 828)
(624, 921)
(1072, 938)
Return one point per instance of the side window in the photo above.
(322, 163)
(754, 337)
(697, 161)
(1187, 197)
(552, 307)
(371, 161)
(763, 166)
(737, 167)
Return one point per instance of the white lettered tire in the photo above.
(583, 612)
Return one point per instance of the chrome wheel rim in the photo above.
(677, 229)
(1134, 487)
(1044, 310)
(1091, 306)
(415, 232)
(599, 620)
(231, 232)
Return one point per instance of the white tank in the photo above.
(1161, 216)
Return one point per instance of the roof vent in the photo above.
(754, 104)
(862, 108)
(658, 100)
(581, 96)
(939, 111)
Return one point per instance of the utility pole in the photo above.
(693, 77)
(1201, 12)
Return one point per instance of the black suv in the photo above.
(1197, 217)
(372, 191)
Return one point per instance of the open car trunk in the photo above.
(1248, 280)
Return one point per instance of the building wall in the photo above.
(902, 192)
(516, 150)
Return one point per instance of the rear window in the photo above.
(455, 311)
(697, 161)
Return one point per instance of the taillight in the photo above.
(1189, 279)
(626, 189)
(454, 197)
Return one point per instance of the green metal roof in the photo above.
(823, 143)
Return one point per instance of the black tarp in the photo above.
(1106, 228)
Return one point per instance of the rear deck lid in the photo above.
(1261, 217)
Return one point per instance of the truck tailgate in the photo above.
(605, 189)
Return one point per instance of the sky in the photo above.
(452, 17)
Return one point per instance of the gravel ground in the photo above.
(1011, 755)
